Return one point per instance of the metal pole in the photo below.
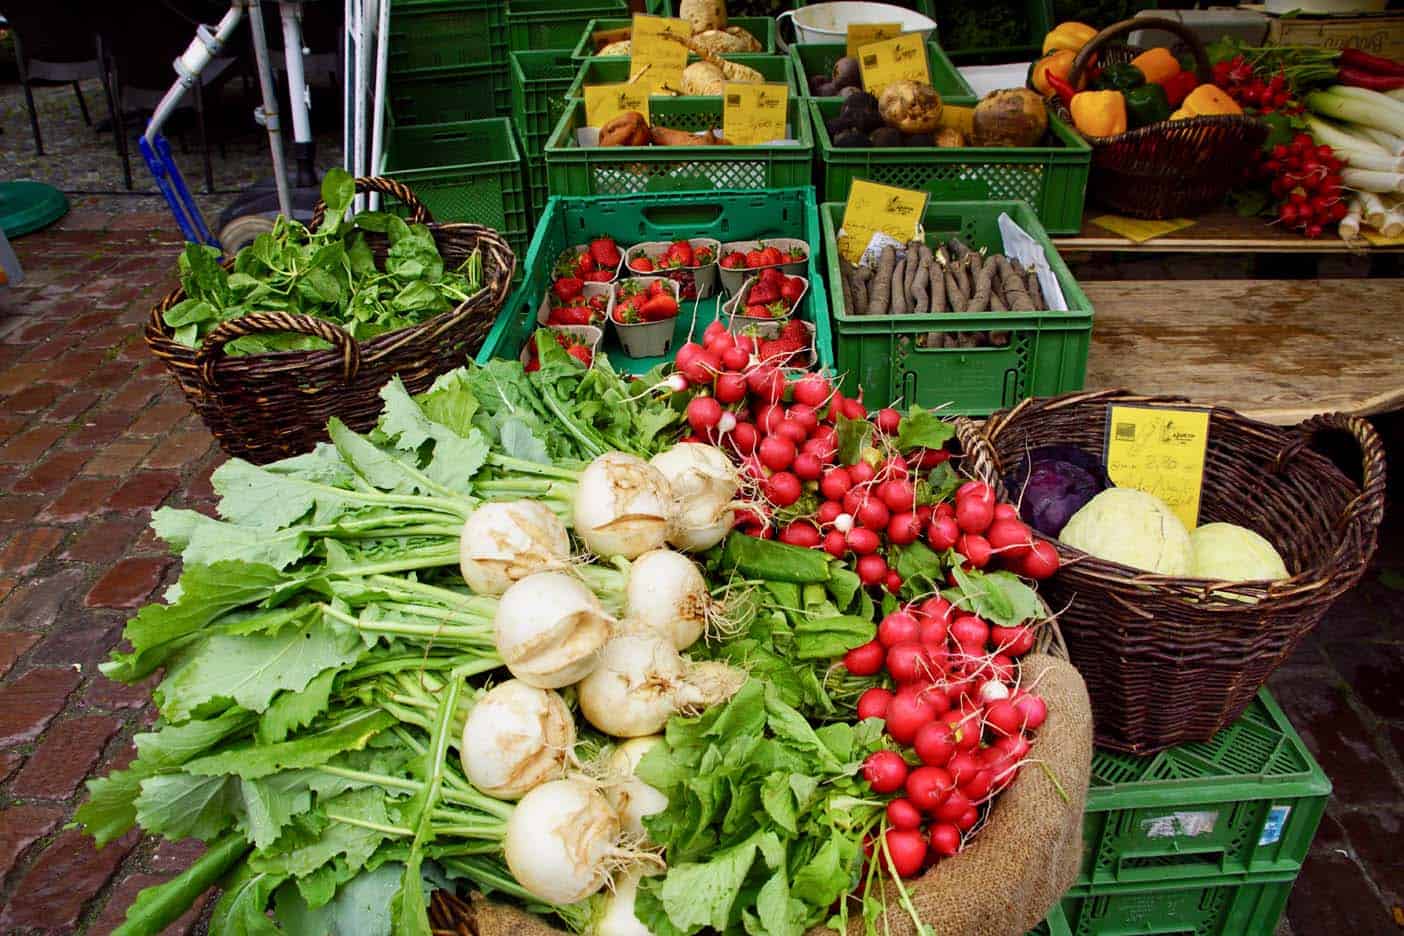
(382, 57)
(363, 64)
(270, 106)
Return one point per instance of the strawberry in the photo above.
(763, 293)
(581, 353)
(641, 264)
(794, 330)
(772, 276)
(795, 255)
(532, 366)
(792, 289)
(570, 315)
(755, 259)
(599, 276)
(658, 308)
(669, 261)
(757, 311)
(658, 288)
(683, 251)
(703, 256)
(735, 260)
(605, 252)
(773, 256)
(567, 288)
(584, 263)
(779, 309)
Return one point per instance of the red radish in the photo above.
(934, 743)
(963, 766)
(873, 514)
(871, 569)
(885, 771)
(973, 516)
(1033, 710)
(864, 542)
(861, 473)
(827, 433)
(1007, 512)
(769, 417)
(953, 806)
(943, 509)
(835, 483)
(873, 702)
(942, 533)
(970, 632)
(836, 544)
(720, 343)
(844, 523)
(967, 733)
(777, 453)
(967, 819)
(828, 512)
(1041, 561)
(901, 814)
(703, 413)
(926, 459)
(812, 390)
(1001, 668)
(906, 851)
(976, 490)
(972, 546)
(910, 709)
(702, 368)
(1009, 537)
(898, 627)
(730, 388)
(791, 430)
(783, 488)
(928, 788)
(887, 420)
(713, 329)
(977, 786)
(933, 632)
(726, 423)
(854, 409)
(945, 839)
(865, 660)
(687, 353)
(992, 690)
(898, 494)
(800, 533)
(1004, 718)
(735, 358)
(743, 438)
(903, 528)
(1015, 641)
(908, 661)
(892, 581)
(937, 607)
(805, 417)
(855, 498)
(1016, 746)
(895, 468)
(768, 383)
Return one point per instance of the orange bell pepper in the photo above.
(1158, 65)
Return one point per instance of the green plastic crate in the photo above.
(536, 184)
(446, 34)
(1052, 179)
(631, 219)
(1046, 354)
(612, 70)
(1029, 29)
(466, 171)
(450, 95)
(540, 81)
(554, 24)
(818, 58)
(762, 27)
(1247, 802)
(616, 170)
(1249, 907)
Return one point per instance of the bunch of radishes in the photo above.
(959, 713)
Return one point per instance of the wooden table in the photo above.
(1213, 233)
(1276, 350)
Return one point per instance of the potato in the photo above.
(1012, 117)
(910, 107)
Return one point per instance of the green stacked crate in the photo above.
(1034, 18)
(447, 61)
(818, 58)
(540, 81)
(762, 27)
(773, 68)
(554, 24)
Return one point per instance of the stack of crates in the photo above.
(448, 61)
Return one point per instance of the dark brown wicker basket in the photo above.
(1170, 660)
(1171, 169)
(263, 407)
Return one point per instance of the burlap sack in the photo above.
(1014, 870)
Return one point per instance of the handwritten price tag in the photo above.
(605, 102)
(874, 208)
(655, 52)
(900, 59)
(754, 113)
(861, 34)
(1160, 452)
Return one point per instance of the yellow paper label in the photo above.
(861, 34)
(605, 102)
(872, 208)
(1160, 452)
(1378, 239)
(1140, 230)
(754, 113)
(903, 58)
(656, 57)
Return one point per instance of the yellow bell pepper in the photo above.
(1206, 101)
(957, 118)
(1099, 113)
(1070, 35)
(1059, 62)
(1158, 65)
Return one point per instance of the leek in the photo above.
(1352, 110)
(1368, 180)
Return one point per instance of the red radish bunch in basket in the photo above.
(956, 708)
(773, 296)
(1305, 179)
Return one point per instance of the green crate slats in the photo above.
(554, 24)
(611, 70)
(1037, 20)
(1197, 908)
(1052, 179)
(1046, 354)
(818, 58)
(540, 82)
(1247, 801)
(762, 27)
(449, 95)
(446, 34)
(536, 184)
(616, 170)
(724, 215)
(464, 171)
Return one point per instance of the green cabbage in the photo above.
(1229, 553)
(1133, 528)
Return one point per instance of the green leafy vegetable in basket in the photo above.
(330, 273)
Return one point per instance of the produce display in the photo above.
(908, 113)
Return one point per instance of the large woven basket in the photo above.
(1171, 169)
(263, 407)
(1171, 660)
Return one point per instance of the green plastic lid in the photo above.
(28, 206)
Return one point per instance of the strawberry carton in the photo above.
(596, 262)
(742, 259)
(571, 302)
(691, 263)
(581, 342)
(770, 296)
(643, 311)
(783, 344)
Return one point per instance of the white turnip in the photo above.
(623, 506)
(515, 738)
(549, 629)
(704, 483)
(618, 918)
(642, 681)
(667, 596)
(509, 540)
(562, 841)
(631, 797)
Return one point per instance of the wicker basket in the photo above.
(1171, 169)
(1169, 660)
(263, 407)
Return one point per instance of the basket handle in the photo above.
(1203, 70)
(1368, 505)
(418, 213)
(209, 354)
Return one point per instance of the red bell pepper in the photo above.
(1177, 87)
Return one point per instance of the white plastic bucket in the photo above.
(828, 22)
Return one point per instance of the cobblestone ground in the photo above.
(93, 436)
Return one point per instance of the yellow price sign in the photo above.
(903, 58)
(861, 34)
(1161, 452)
(605, 102)
(872, 208)
(658, 51)
(754, 113)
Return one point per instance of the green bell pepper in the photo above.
(1146, 105)
(1120, 78)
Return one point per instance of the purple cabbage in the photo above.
(1052, 483)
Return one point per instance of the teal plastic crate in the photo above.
(1204, 908)
(1052, 178)
(427, 34)
(1019, 24)
(465, 171)
(762, 27)
(540, 82)
(1247, 802)
(612, 70)
(450, 95)
(818, 58)
(631, 219)
(1046, 353)
(536, 184)
(537, 25)
(615, 170)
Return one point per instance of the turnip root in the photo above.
(921, 282)
(516, 738)
(562, 841)
(1016, 297)
(623, 506)
(861, 278)
(703, 14)
(938, 281)
(954, 294)
(504, 541)
(667, 597)
(550, 629)
(984, 278)
(619, 918)
(703, 78)
(703, 483)
(641, 682)
(880, 291)
(631, 797)
(898, 288)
